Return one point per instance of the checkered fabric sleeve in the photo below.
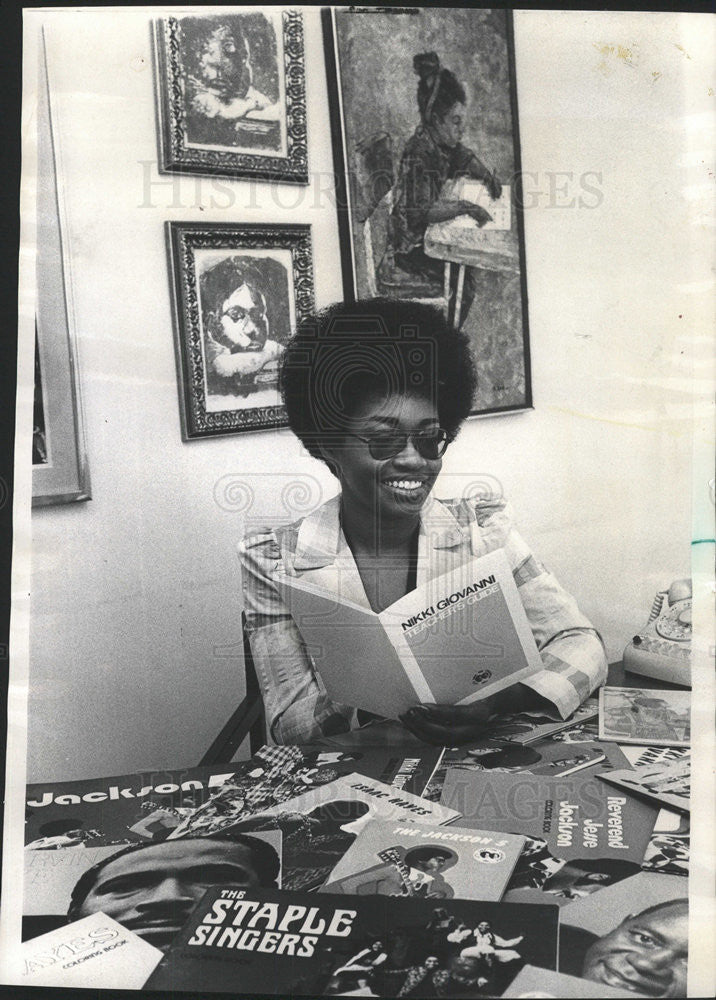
(572, 651)
(298, 709)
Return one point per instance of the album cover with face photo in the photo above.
(632, 936)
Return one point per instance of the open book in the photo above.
(454, 639)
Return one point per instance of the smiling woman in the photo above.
(377, 390)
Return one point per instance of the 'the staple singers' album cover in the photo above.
(579, 837)
(401, 859)
(295, 944)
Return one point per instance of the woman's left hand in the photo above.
(449, 725)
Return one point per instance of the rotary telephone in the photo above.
(662, 649)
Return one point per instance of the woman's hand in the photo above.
(449, 725)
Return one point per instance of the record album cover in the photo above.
(579, 837)
(319, 826)
(278, 773)
(633, 715)
(297, 944)
(418, 860)
(666, 782)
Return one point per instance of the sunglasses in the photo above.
(428, 444)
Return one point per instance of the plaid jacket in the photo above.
(298, 709)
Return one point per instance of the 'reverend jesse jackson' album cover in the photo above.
(580, 835)
(417, 860)
(297, 944)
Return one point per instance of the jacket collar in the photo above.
(320, 538)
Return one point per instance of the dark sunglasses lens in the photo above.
(430, 446)
(386, 446)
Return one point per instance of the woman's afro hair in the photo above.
(374, 348)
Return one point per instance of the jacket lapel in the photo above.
(322, 555)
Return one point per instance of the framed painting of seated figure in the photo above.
(427, 159)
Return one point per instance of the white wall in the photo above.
(135, 595)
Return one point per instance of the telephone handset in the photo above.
(662, 649)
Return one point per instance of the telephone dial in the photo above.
(662, 649)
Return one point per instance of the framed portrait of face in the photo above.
(427, 159)
(232, 95)
(239, 292)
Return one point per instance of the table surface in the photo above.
(619, 677)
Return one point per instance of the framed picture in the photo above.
(426, 150)
(60, 471)
(239, 292)
(232, 94)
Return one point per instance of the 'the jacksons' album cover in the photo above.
(297, 944)
(401, 859)
(580, 834)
